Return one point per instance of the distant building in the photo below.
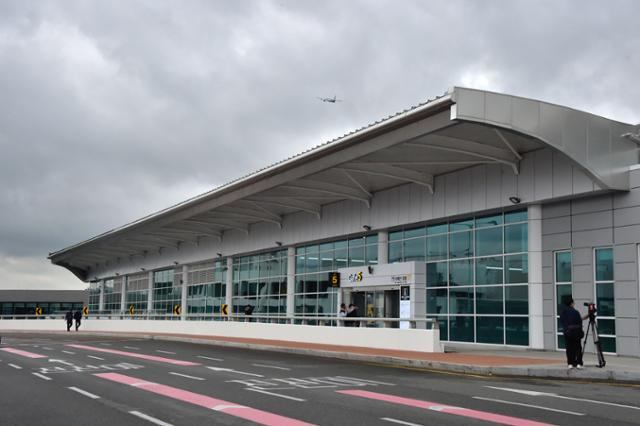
(476, 209)
(25, 302)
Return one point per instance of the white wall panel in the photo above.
(562, 176)
(479, 195)
(543, 174)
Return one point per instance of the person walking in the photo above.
(77, 315)
(69, 317)
(342, 313)
(571, 321)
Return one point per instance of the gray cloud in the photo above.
(112, 110)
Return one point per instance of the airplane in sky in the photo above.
(330, 100)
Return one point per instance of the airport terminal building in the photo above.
(476, 209)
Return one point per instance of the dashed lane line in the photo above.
(271, 366)
(95, 357)
(187, 376)
(69, 352)
(400, 422)
(149, 418)
(209, 358)
(131, 347)
(276, 394)
(500, 401)
(84, 392)
(42, 376)
(17, 367)
(46, 348)
(166, 352)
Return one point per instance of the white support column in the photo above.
(183, 300)
(123, 296)
(150, 295)
(228, 300)
(536, 319)
(383, 247)
(291, 280)
(101, 300)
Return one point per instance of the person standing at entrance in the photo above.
(69, 317)
(571, 321)
(77, 315)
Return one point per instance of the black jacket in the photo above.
(69, 316)
(77, 316)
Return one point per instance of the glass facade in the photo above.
(605, 297)
(260, 281)
(29, 308)
(94, 296)
(563, 279)
(206, 289)
(112, 295)
(138, 293)
(477, 275)
(167, 291)
(313, 294)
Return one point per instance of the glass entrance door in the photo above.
(376, 304)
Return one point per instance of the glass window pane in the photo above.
(461, 329)
(489, 241)
(395, 236)
(489, 300)
(562, 291)
(490, 330)
(414, 250)
(604, 264)
(326, 247)
(300, 261)
(371, 239)
(460, 244)
(489, 270)
(607, 326)
(395, 252)
(517, 331)
(437, 274)
(563, 267)
(519, 216)
(356, 255)
(461, 272)
(608, 344)
(437, 301)
(310, 284)
(493, 220)
(461, 225)
(341, 258)
(515, 238)
(461, 300)
(326, 261)
(437, 247)
(561, 344)
(415, 232)
(356, 242)
(443, 324)
(516, 268)
(605, 300)
(371, 253)
(517, 299)
(437, 229)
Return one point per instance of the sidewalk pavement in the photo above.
(516, 363)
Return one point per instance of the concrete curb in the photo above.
(590, 373)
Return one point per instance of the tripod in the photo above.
(596, 340)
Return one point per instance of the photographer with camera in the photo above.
(571, 321)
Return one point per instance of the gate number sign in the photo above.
(334, 279)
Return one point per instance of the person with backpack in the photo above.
(78, 317)
(69, 318)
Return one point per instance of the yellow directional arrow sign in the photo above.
(224, 308)
(85, 311)
(38, 311)
(177, 309)
(132, 310)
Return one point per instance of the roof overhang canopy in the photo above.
(463, 128)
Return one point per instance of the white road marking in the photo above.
(149, 418)
(365, 380)
(184, 375)
(17, 367)
(277, 394)
(47, 348)
(234, 371)
(60, 361)
(105, 344)
(212, 359)
(84, 392)
(95, 357)
(166, 352)
(42, 376)
(555, 395)
(271, 366)
(400, 422)
(132, 347)
(573, 413)
(69, 352)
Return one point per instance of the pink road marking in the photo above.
(135, 355)
(23, 353)
(458, 411)
(247, 413)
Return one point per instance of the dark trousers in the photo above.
(574, 351)
(69, 324)
(77, 324)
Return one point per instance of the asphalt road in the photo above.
(107, 381)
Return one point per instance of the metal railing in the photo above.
(321, 320)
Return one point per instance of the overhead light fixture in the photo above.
(117, 274)
(142, 269)
(219, 254)
(515, 200)
(175, 262)
(279, 243)
(366, 228)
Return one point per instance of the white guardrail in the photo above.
(422, 334)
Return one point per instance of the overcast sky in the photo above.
(110, 110)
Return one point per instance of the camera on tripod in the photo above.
(591, 310)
